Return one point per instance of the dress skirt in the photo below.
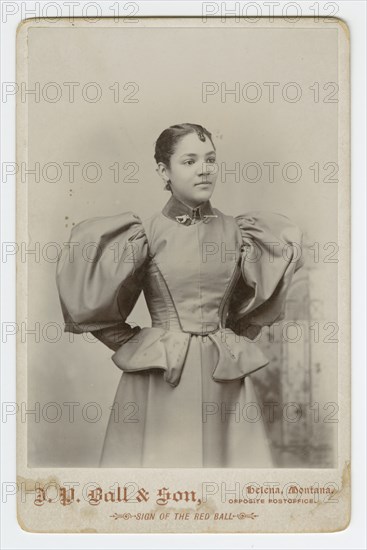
(198, 423)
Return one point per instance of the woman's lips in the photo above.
(203, 183)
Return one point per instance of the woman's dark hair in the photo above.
(167, 141)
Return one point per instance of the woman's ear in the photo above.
(162, 171)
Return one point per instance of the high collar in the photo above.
(184, 214)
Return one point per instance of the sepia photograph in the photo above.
(183, 270)
(201, 272)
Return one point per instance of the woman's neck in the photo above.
(188, 204)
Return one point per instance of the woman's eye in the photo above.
(189, 162)
(211, 159)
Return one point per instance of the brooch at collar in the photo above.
(183, 218)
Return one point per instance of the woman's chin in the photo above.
(203, 192)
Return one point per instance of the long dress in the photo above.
(211, 282)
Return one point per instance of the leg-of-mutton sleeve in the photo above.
(99, 276)
(271, 253)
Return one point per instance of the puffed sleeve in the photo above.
(271, 253)
(99, 276)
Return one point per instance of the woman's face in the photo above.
(192, 170)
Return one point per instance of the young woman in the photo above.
(211, 281)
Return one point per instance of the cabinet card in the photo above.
(183, 225)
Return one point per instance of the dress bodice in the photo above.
(202, 272)
(190, 271)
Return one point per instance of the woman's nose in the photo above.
(207, 169)
(203, 169)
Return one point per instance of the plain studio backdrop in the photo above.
(159, 75)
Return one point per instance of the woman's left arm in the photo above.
(271, 254)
